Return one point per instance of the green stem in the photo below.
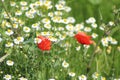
(4, 57)
(7, 15)
(93, 55)
(112, 67)
(6, 12)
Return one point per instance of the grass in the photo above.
(34, 64)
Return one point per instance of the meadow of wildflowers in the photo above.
(52, 40)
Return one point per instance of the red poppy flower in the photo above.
(83, 38)
(44, 43)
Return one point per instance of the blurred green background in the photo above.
(83, 9)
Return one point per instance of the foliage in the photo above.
(21, 22)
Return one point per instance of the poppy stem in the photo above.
(84, 56)
(93, 55)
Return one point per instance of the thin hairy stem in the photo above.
(4, 7)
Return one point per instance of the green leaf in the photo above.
(114, 30)
(28, 41)
(95, 2)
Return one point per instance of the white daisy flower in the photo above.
(86, 46)
(14, 19)
(54, 19)
(62, 2)
(48, 26)
(7, 77)
(49, 7)
(78, 48)
(111, 23)
(65, 21)
(72, 74)
(95, 75)
(38, 3)
(102, 27)
(32, 11)
(9, 62)
(45, 33)
(46, 21)
(29, 15)
(60, 28)
(50, 14)
(22, 78)
(65, 64)
(71, 20)
(114, 41)
(104, 42)
(57, 19)
(67, 9)
(21, 39)
(8, 24)
(6, 15)
(53, 39)
(82, 77)
(0, 39)
(47, 3)
(9, 44)
(15, 26)
(62, 37)
(87, 29)
(21, 23)
(37, 40)
(91, 20)
(9, 32)
(118, 48)
(94, 35)
(32, 6)
(79, 27)
(58, 34)
(26, 29)
(12, 3)
(70, 33)
(109, 38)
(103, 78)
(3, 24)
(18, 13)
(18, 40)
(58, 13)
(24, 8)
(70, 27)
(35, 26)
(1, 72)
(94, 25)
(59, 7)
(23, 3)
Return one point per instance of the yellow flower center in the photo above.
(18, 38)
(7, 76)
(8, 30)
(8, 43)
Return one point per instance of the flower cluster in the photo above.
(41, 26)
